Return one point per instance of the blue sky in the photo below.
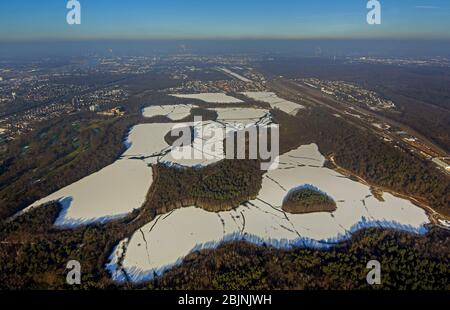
(171, 19)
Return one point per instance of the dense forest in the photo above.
(66, 149)
(34, 255)
(218, 187)
(407, 262)
(365, 155)
(308, 199)
(420, 93)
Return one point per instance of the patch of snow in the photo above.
(275, 102)
(173, 112)
(206, 149)
(114, 261)
(166, 235)
(234, 74)
(107, 194)
(116, 190)
(164, 242)
(445, 223)
(210, 97)
(240, 118)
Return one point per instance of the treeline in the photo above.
(57, 154)
(422, 94)
(308, 199)
(205, 114)
(218, 187)
(365, 155)
(407, 262)
(34, 256)
(34, 253)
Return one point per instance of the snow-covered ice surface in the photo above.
(165, 241)
(173, 112)
(275, 102)
(147, 141)
(206, 148)
(445, 223)
(121, 187)
(210, 97)
(107, 194)
(240, 118)
(117, 189)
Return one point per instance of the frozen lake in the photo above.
(210, 97)
(165, 241)
(234, 74)
(275, 102)
(118, 189)
(121, 187)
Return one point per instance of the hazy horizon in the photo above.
(195, 19)
(326, 48)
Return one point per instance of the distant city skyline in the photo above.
(232, 19)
